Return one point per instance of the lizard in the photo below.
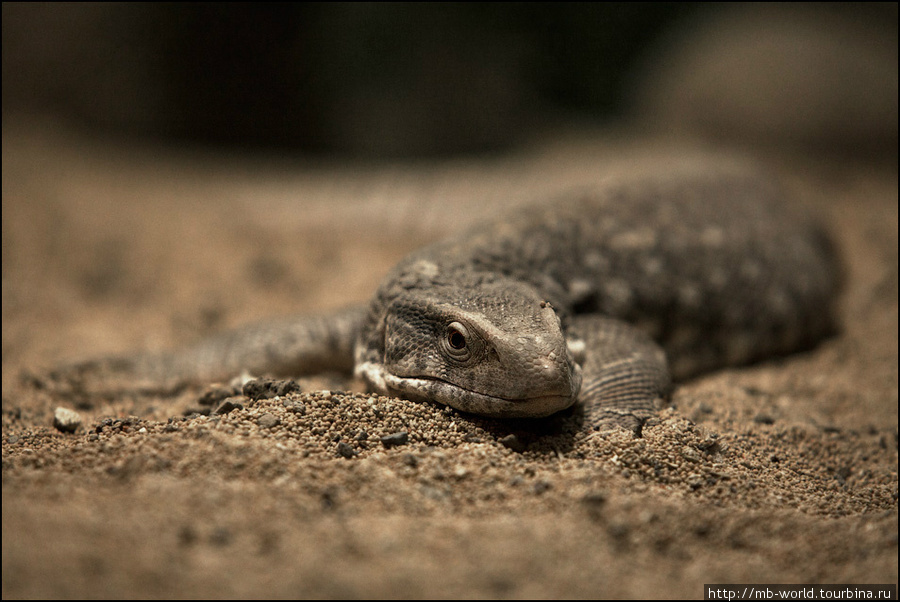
(600, 297)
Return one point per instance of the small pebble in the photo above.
(394, 439)
(513, 442)
(232, 403)
(268, 421)
(284, 387)
(66, 420)
(345, 450)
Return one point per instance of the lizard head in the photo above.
(494, 349)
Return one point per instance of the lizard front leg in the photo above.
(287, 347)
(625, 375)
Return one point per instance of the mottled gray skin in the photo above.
(713, 266)
(581, 299)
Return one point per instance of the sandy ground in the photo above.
(781, 472)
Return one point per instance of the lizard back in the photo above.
(716, 265)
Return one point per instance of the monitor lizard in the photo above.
(599, 297)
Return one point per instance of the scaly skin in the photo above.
(581, 299)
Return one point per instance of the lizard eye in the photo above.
(456, 342)
(456, 336)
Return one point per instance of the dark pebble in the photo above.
(513, 442)
(217, 393)
(394, 439)
(345, 450)
(232, 403)
(283, 387)
(261, 388)
(267, 388)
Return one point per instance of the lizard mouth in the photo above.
(460, 398)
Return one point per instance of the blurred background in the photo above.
(391, 80)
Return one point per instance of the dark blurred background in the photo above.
(372, 79)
